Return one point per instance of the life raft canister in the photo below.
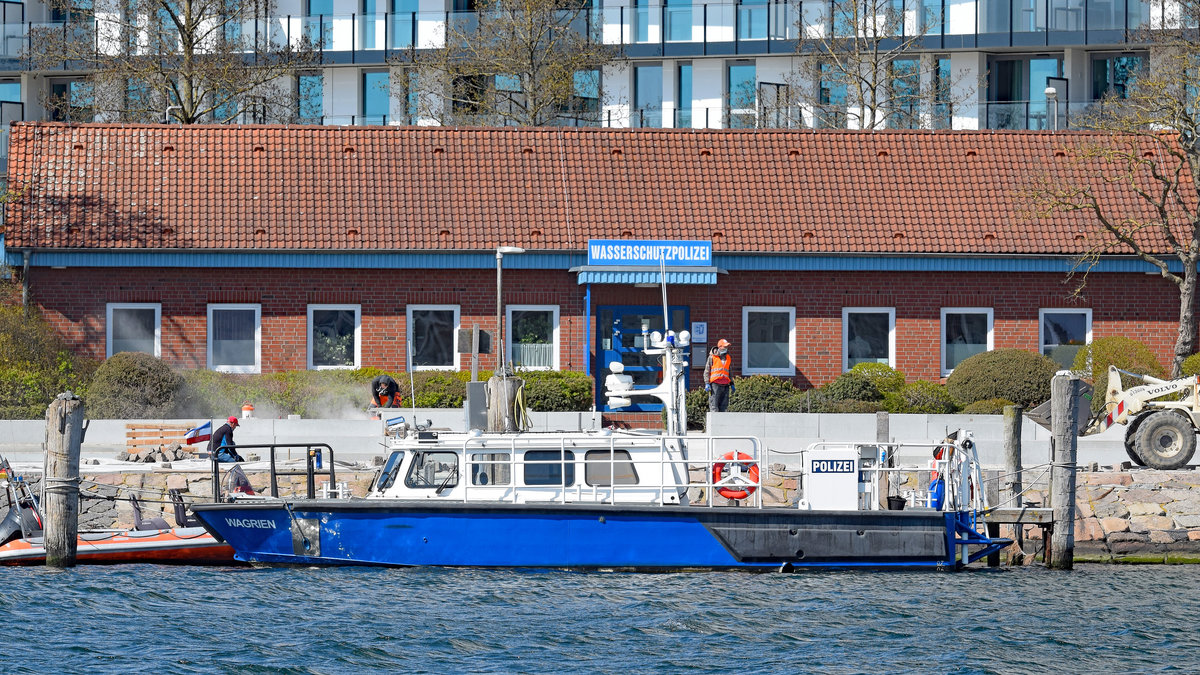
(719, 471)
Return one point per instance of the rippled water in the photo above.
(182, 620)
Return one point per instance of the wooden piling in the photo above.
(882, 432)
(502, 393)
(1064, 411)
(1012, 486)
(60, 507)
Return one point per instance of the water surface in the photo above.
(152, 619)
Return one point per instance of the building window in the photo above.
(966, 331)
(1114, 74)
(648, 94)
(868, 336)
(770, 340)
(1064, 332)
(741, 94)
(683, 96)
(134, 327)
(550, 467)
(375, 97)
(431, 334)
(600, 466)
(310, 97)
(333, 336)
(234, 338)
(532, 338)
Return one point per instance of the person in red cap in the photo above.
(222, 442)
(718, 376)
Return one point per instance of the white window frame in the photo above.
(508, 324)
(847, 311)
(357, 309)
(453, 336)
(257, 367)
(1085, 311)
(991, 344)
(746, 369)
(108, 324)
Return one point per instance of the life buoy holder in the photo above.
(719, 471)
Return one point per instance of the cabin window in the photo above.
(491, 468)
(433, 470)
(390, 469)
(550, 467)
(134, 327)
(601, 465)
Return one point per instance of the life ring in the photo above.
(719, 470)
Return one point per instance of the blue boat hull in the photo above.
(407, 533)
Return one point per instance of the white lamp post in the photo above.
(502, 344)
(1052, 102)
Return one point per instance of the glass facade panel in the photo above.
(311, 97)
(752, 20)
(679, 20)
(333, 332)
(647, 95)
(375, 97)
(742, 94)
(1112, 75)
(683, 96)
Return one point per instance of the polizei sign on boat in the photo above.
(694, 253)
(833, 466)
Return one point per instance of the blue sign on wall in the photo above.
(688, 253)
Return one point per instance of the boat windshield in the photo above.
(390, 469)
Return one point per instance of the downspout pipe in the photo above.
(25, 282)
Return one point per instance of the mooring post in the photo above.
(1011, 487)
(64, 435)
(882, 432)
(1064, 412)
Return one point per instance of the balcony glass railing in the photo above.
(700, 23)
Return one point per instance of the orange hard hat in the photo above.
(722, 343)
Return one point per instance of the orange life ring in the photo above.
(719, 470)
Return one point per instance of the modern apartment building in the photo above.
(683, 63)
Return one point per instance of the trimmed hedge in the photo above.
(763, 393)
(991, 406)
(1019, 376)
(920, 397)
(885, 378)
(131, 385)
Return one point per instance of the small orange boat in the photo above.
(150, 540)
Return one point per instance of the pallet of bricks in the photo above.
(157, 443)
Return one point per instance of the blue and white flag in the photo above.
(199, 434)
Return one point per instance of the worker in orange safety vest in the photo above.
(718, 379)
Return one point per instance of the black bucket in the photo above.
(896, 503)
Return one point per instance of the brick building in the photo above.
(257, 249)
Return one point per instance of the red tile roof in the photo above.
(102, 186)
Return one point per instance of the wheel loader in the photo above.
(1161, 418)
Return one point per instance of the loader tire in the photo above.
(1131, 438)
(1165, 440)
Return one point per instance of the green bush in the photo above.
(1191, 365)
(991, 406)
(35, 365)
(885, 378)
(852, 386)
(1019, 376)
(555, 391)
(1125, 353)
(697, 408)
(764, 393)
(131, 385)
(853, 406)
(919, 397)
(329, 394)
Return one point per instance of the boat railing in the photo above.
(614, 476)
(314, 466)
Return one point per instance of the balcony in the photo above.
(702, 28)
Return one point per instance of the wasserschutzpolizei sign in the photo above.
(688, 253)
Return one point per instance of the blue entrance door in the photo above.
(619, 338)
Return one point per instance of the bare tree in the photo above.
(1141, 191)
(863, 65)
(512, 63)
(185, 60)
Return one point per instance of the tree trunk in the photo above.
(1185, 341)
